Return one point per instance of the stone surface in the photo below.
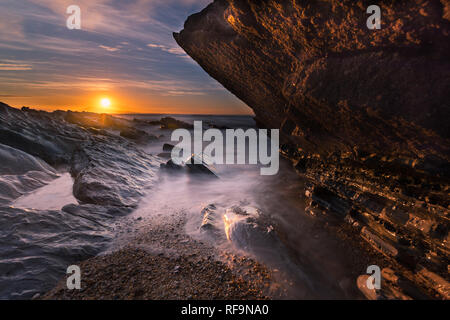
(363, 113)
(110, 176)
(107, 169)
(197, 164)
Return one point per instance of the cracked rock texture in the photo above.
(363, 114)
(110, 176)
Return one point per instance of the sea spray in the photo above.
(235, 145)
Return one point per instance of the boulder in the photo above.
(165, 155)
(203, 168)
(245, 228)
(14, 161)
(363, 114)
(210, 219)
(171, 166)
(172, 123)
(168, 147)
(137, 135)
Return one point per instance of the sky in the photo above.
(123, 52)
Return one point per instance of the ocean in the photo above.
(39, 239)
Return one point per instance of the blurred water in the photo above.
(53, 196)
(312, 259)
(38, 240)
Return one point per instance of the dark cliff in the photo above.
(363, 113)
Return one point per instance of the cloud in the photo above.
(172, 50)
(175, 93)
(11, 26)
(8, 66)
(123, 46)
(177, 51)
(12, 96)
(168, 87)
(152, 45)
(110, 49)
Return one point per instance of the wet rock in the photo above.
(168, 147)
(14, 186)
(387, 291)
(106, 170)
(435, 281)
(198, 165)
(166, 155)
(99, 131)
(301, 165)
(371, 294)
(378, 243)
(100, 180)
(93, 212)
(313, 86)
(14, 161)
(138, 135)
(167, 123)
(172, 123)
(245, 228)
(389, 275)
(210, 219)
(331, 201)
(171, 166)
(54, 151)
(251, 237)
(68, 236)
(95, 120)
(216, 126)
(387, 169)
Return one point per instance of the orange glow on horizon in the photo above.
(123, 103)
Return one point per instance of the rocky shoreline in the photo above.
(163, 263)
(363, 115)
(111, 173)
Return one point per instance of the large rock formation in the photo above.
(110, 176)
(363, 113)
(107, 169)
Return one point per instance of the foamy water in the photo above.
(311, 259)
(40, 241)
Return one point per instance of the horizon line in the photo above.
(182, 114)
(133, 113)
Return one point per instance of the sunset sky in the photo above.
(124, 52)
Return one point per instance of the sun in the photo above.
(105, 102)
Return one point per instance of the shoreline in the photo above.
(316, 228)
(164, 263)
